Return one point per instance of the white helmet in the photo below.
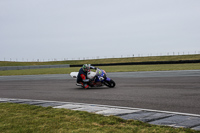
(86, 67)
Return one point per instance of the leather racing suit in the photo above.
(82, 77)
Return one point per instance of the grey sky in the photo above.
(58, 29)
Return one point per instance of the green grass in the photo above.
(124, 68)
(22, 118)
(103, 61)
(127, 68)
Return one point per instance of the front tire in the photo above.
(110, 84)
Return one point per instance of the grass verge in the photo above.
(28, 118)
(123, 68)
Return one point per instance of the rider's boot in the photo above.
(86, 86)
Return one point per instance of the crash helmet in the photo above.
(86, 67)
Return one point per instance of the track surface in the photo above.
(177, 91)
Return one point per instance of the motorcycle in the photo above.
(96, 79)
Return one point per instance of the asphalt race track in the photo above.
(176, 91)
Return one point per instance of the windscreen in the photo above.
(99, 72)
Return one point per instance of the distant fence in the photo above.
(32, 67)
(108, 64)
(101, 57)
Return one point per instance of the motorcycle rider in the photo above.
(82, 75)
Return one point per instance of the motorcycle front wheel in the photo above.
(110, 83)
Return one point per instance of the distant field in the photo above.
(124, 68)
(103, 61)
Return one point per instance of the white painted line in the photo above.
(115, 111)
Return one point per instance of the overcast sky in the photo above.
(66, 29)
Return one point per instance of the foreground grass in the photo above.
(125, 68)
(103, 61)
(28, 118)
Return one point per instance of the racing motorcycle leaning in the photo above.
(96, 79)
